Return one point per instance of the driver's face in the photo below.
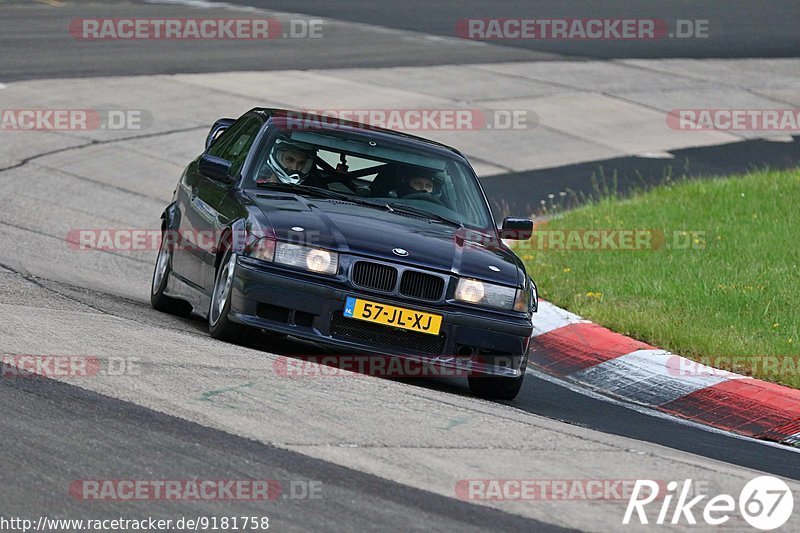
(421, 184)
(293, 161)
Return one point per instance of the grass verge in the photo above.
(718, 282)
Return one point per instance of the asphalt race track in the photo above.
(741, 29)
(36, 47)
(388, 454)
(68, 417)
(45, 50)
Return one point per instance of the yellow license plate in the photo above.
(390, 315)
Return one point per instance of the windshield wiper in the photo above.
(307, 189)
(323, 193)
(403, 208)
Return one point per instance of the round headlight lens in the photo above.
(318, 260)
(470, 291)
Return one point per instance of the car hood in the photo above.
(373, 232)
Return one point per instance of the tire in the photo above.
(495, 387)
(158, 300)
(498, 387)
(219, 325)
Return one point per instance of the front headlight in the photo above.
(476, 292)
(311, 259)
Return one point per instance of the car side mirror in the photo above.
(215, 168)
(517, 229)
(217, 130)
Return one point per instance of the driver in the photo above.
(289, 161)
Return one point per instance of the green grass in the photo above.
(732, 299)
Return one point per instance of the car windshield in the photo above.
(366, 171)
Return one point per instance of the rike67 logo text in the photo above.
(765, 503)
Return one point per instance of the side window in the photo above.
(236, 142)
(221, 144)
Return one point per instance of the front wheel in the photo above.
(496, 387)
(219, 325)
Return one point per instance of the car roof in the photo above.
(328, 123)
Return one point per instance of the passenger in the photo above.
(420, 183)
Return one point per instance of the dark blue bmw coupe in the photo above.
(352, 236)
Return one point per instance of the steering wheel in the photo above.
(424, 196)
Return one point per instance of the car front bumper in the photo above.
(310, 308)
